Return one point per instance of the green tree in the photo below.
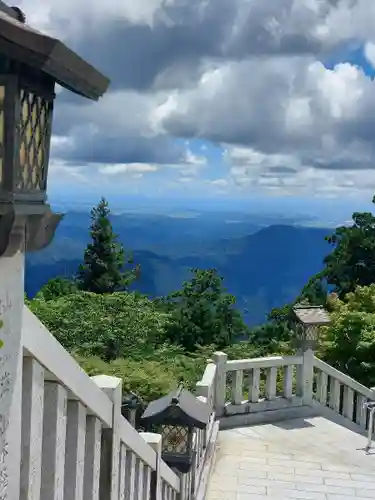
(103, 269)
(57, 287)
(203, 313)
(280, 325)
(352, 261)
(315, 293)
(348, 343)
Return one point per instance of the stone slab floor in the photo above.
(304, 458)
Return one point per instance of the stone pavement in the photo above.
(304, 458)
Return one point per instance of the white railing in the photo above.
(75, 443)
(257, 385)
(341, 393)
(204, 439)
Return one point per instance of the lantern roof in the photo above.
(180, 407)
(311, 315)
(20, 42)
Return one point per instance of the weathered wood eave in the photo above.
(20, 42)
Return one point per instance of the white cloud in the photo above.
(243, 74)
(131, 168)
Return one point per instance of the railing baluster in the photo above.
(164, 490)
(237, 382)
(334, 395)
(361, 411)
(92, 458)
(140, 479)
(254, 385)
(322, 387)
(348, 403)
(122, 471)
(32, 428)
(75, 451)
(130, 475)
(146, 482)
(271, 383)
(288, 381)
(54, 436)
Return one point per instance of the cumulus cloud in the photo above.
(246, 75)
(293, 106)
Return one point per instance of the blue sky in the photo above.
(218, 99)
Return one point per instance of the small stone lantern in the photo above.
(175, 416)
(31, 63)
(308, 321)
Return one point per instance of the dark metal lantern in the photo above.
(175, 416)
(132, 407)
(308, 321)
(31, 63)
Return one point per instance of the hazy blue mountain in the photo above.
(263, 265)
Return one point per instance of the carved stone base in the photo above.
(26, 228)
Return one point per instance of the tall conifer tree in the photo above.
(103, 269)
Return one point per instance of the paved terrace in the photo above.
(318, 458)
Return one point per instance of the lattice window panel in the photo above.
(2, 98)
(34, 132)
(311, 332)
(175, 439)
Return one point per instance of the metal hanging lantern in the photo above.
(31, 63)
(175, 416)
(308, 321)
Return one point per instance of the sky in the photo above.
(221, 99)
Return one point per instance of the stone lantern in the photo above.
(175, 416)
(307, 323)
(31, 63)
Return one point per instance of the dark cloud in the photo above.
(134, 55)
(282, 170)
(101, 149)
(185, 33)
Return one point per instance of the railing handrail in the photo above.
(208, 376)
(132, 439)
(41, 345)
(343, 379)
(167, 475)
(266, 362)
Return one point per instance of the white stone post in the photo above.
(220, 360)
(110, 466)
(11, 307)
(305, 376)
(155, 441)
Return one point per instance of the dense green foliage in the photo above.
(106, 325)
(352, 261)
(154, 344)
(349, 341)
(203, 313)
(57, 287)
(103, 268)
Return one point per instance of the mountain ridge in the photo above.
(264, 269)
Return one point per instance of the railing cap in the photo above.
(106, 381)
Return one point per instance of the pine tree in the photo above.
(103, 269)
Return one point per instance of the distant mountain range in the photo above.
(264, 264)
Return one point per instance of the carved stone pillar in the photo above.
(20, 230)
